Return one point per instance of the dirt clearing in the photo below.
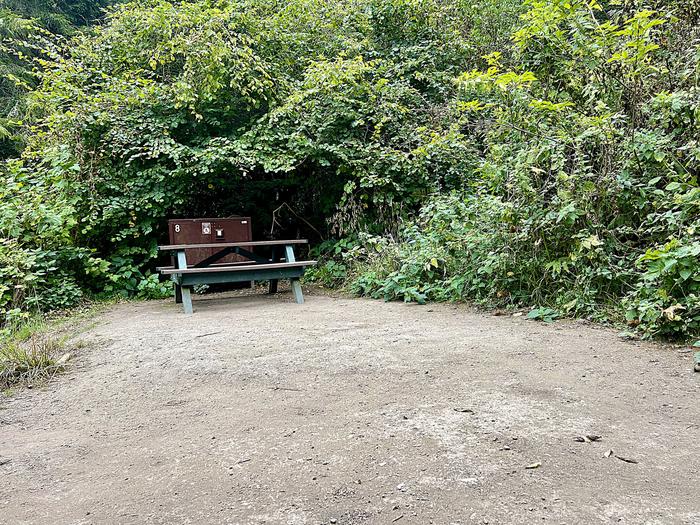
(256, 410)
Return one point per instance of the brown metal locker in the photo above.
(210, 230)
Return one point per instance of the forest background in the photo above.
(537, 153)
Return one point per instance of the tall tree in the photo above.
(27, 29)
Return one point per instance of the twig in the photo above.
(283, 205)
(207, 335)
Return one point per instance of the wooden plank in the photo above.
(190, 279)
(181, 262)
(187, 300)
(181, 259)
(289, 253)
(296, 286)
(296, 290)
(275, 259)
(173, 247)
(213, 265)
(241, 268)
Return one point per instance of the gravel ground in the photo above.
(258, 410)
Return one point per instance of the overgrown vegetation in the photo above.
(585, 194)
(33, 349)
(31, 352)
(29, 33)
(525, 153)
(27, 362)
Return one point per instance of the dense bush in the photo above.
(41, 268)
(342, 109)
(587, 189)
(540, 153)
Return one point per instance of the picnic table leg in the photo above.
(296, 285)
(296, 290)
(187, 299)
(184, 291)
(275, 259)
(178, 288)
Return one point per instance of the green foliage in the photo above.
(666, 300)
(58, 16)
(542, 153)
(342, 109)
(547, 315)
(30, 33)
(178, 107)
(587, 187)
(332, 271)
(40, 267)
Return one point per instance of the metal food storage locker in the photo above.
(210, 231)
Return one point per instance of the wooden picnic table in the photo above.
(255, 268)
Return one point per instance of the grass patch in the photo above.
(35, 349)
(30, 359)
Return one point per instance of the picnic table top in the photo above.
(172, 247)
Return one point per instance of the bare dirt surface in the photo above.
(258, 410)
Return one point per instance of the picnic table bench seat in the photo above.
(256, 268)
(237, 268)
(213, 265)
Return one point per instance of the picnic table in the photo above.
(282, 264)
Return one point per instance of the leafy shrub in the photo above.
(555, 169)
(480, 248)
(332, 270)
(666, 300)
(586, 191)
(151, 287)
(41, 268)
